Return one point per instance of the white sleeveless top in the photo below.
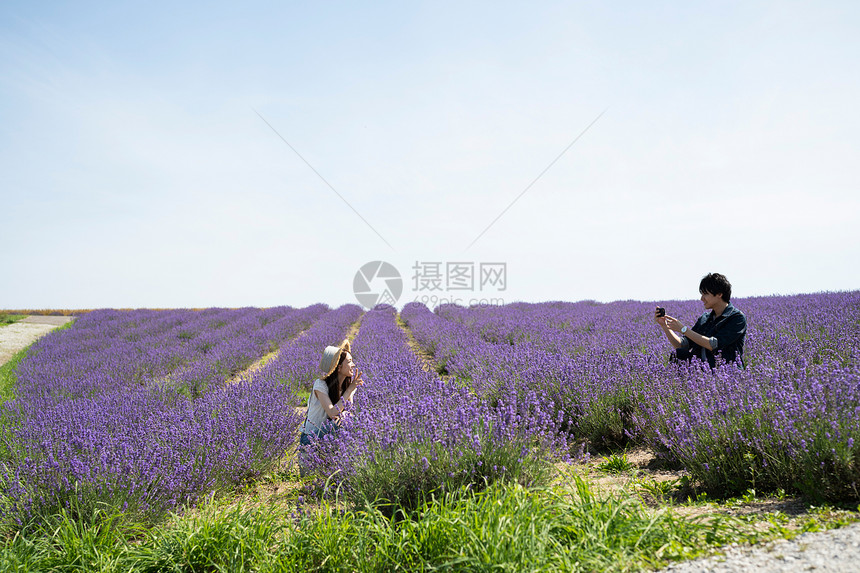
(316, 413)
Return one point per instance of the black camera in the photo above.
(661, 311)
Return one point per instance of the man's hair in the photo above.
(715, 283)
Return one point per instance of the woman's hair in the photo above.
(334, 393)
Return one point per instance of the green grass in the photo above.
(660, 490)
(503, 528)
(10, 318)
(302, 396)
(511, 528)
(68, 545)
(8, 376)
(616, 464)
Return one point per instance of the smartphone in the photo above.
(661, 311)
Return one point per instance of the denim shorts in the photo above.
(307, 439)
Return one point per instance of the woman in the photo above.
(332, 393)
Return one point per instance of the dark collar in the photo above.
(730, 310)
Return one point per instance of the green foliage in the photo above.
(67, 544)
(10, 318)
(8, 376)
(504, 527)
(240, 539)
(659, 490)
(604, 419)
(408, 477)
(823, 468)
(616, 464)
(302, 395)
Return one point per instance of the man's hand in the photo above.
(673, 323)
(661, 320)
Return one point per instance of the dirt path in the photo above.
(21, 334)
(353, 329)
(427, 360)
(256, 366)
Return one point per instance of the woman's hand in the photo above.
(660, 319)
(353, 386)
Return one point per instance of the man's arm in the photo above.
(727, 333)
(703, 341)
(674, 325)
(675, 340)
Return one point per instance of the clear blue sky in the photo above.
(135, 171)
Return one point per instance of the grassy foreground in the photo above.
(8, 378)
(503, 528)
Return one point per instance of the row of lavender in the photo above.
(105, 414)
(110, 349)
(89, 430)
(412, 433)
(297, 363)
(790, 420)
(500, 353)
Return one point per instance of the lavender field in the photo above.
(150, 411)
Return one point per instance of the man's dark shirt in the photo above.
(727, 333)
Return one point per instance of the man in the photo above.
(719, 332)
